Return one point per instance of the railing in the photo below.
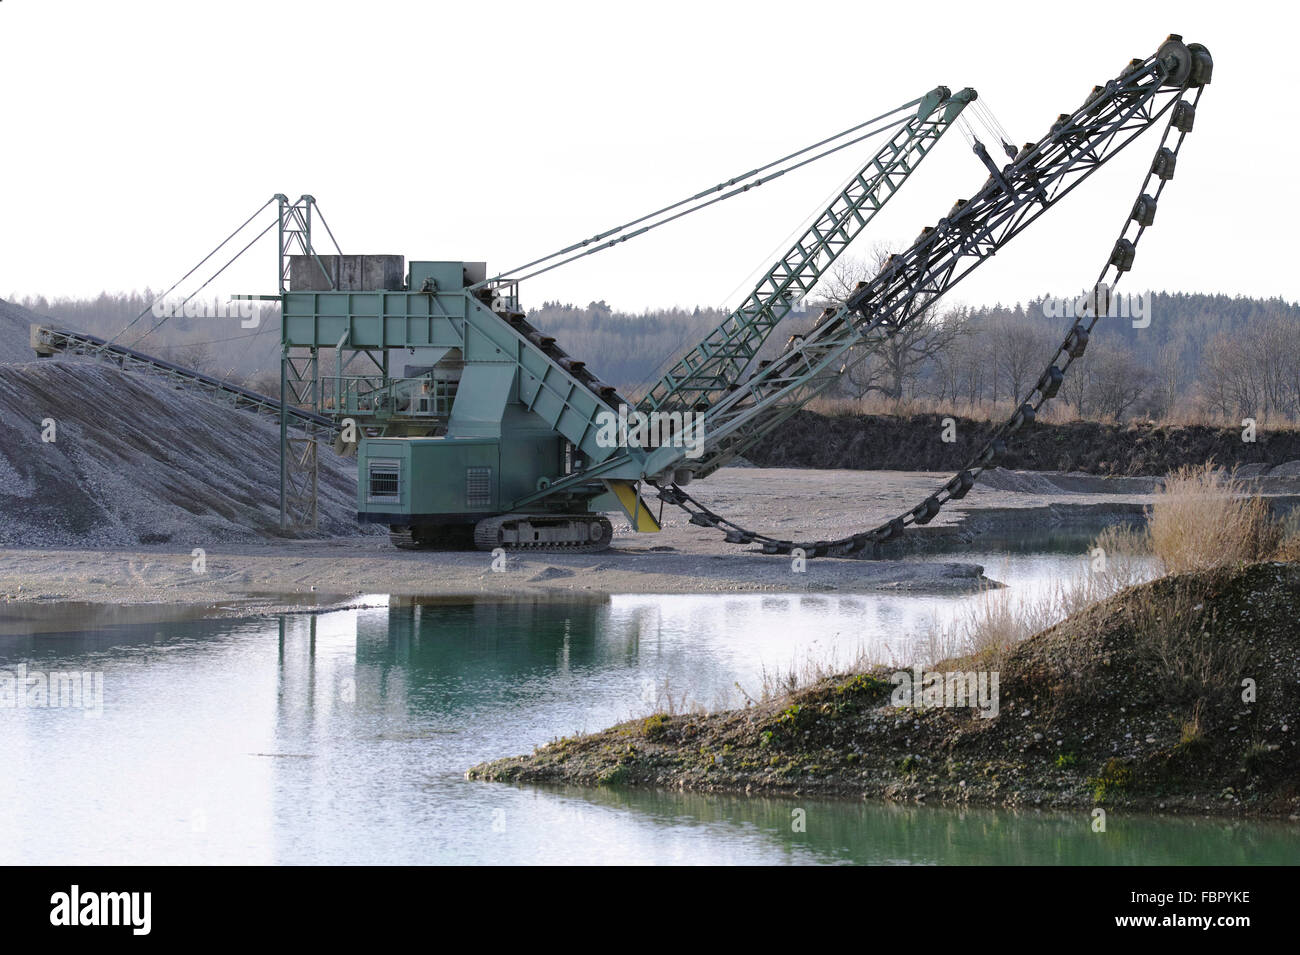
(505, 296)
(379, 397)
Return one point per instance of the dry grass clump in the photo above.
(1288, 547)
(1203, 519)
(1001, 619)
(807, 669)
(1185, 638)
(994, 623)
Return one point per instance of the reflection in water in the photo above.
(885, 834)
(344, 736)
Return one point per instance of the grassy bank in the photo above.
(1179, 694)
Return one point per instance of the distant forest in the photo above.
(1201, 355)
(217, 345)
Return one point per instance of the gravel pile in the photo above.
(15, 333)
(136, 461)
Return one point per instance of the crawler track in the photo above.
(493, 532)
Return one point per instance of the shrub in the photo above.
(654, 726)
(1115, 776)
(1203, 519)
(1192, 737)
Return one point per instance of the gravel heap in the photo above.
(137, 461)
(15, 333)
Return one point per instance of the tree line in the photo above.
(1199, 354)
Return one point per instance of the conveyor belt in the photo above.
(49, 341)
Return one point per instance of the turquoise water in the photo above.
(342, 737)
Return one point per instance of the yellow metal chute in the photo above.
(634, 506)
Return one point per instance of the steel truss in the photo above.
(1042, 174)
(713, 366)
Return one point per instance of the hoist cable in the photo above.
(164, 295)
(728, 184)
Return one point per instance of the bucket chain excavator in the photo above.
(491, 433)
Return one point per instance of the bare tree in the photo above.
(1254, 371)
(1020, 349)
(892, 368)
(197, 356)
(1228, 383)
(1119, 382)
(1167, 380)
(1080, 383)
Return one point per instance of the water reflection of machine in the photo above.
(435, 655)
(483, 643)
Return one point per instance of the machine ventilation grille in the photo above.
(385, 481)
(478, 488)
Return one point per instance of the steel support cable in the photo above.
(967, 132)
(696, 208)
(747, 285)
(232, 338)
(249, 347)
(328, 231)
(210, 280)
(965, 478)
(149, 308)
(712, 190)
(992, 124)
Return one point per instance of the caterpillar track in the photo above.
(450, 537)
(567, 533)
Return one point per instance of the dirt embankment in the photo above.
(913, 443)
(1138, 702)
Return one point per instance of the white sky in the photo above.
(138, 134)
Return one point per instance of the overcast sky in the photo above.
(138, 134)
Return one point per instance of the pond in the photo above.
(343, 736)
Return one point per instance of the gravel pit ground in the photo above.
(680, 559)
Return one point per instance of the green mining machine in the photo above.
(469, 423)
